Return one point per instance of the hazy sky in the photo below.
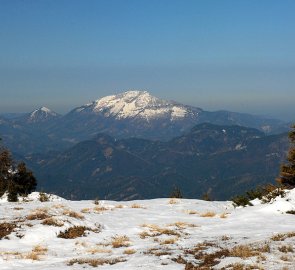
(237, 55)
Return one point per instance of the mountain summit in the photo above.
(40, 115)
(136, 104)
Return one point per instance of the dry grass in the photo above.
(98, 209)
(36, 252)
(285, 258)
(158, 252)
(173, 201)
(32, 256)
(155, 230)
(86, 210)
(135, 205)
(129, 251)
(18, 208)
(286, 249)
(58, 206)
(191, 212)
(6, 229)
(39, 214)
(282, 236)
(243, 251)
(74, 232)
(120, 241)
(225, 238)
(208, 214)
(95, 262)
(169, 241)
(240, 266)
(73, 214)
(81, 243)
(52, 222)
(119, 206)
(40, 250)
(182, 225)
(96, 250)
(223, 215)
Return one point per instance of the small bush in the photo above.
(73, 232)
(286, 249)
(6, 229)
(243, 251)
(43, 197)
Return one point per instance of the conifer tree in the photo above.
(16, 180)
(287, 173)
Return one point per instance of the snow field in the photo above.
(149, 234)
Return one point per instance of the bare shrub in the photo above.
(43, 197)
(6, 229)
(243, 251)
(286, 249)
(73, 232)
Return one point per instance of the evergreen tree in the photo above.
(287, 174)
(16, 180)
(176, 193)
(5, 170)
(23, 180)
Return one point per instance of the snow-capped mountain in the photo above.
(40, 115)
(138, 104)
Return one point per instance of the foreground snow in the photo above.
(149, 234)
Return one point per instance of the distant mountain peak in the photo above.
(136, 104)
(41, 114)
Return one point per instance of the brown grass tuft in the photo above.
(73, 214)
(129, 251)
(6, 229)
(223, 215)
(120, 241)
(73, 232)
(52, 222)
(173, 201)
(135, 205)
(95, 262)
(243, 251)
(169, 241)
(39, 214)
(282, 236)
(286, 249)
(96, 250)
(208, 214)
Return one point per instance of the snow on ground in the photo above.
(149, 234)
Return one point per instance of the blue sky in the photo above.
(237, 55)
